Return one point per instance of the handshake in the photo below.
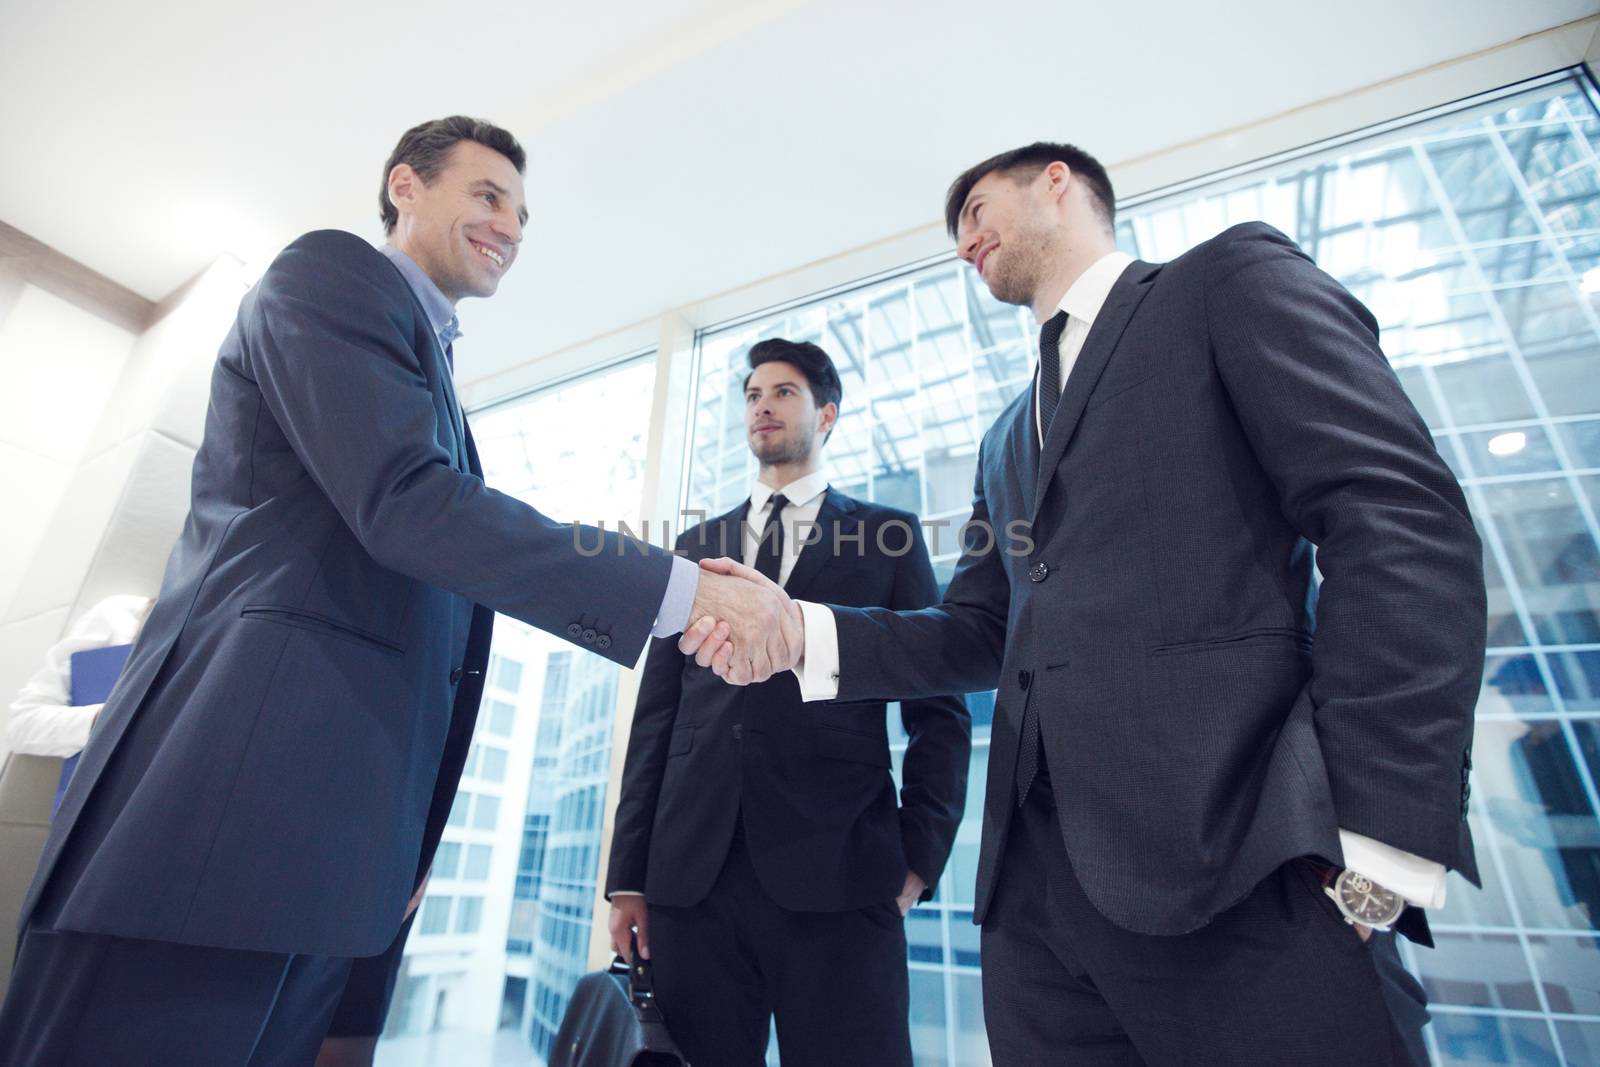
(743, 625)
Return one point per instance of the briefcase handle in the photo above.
(641, 980)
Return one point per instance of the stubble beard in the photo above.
(1015, 276)
(790, 450)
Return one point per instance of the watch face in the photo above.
(1367, 902)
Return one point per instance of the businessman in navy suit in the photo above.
(1192, 737)
(270, 777)
(760, 851)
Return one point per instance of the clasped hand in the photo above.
(745, 628)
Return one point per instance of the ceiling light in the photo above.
(1508, 444)
(1590, 282)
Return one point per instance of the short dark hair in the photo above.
(428, 145)
(1024, 164)
(809, 359)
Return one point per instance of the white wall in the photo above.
(60, 364)
(98, 431)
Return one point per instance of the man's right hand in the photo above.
(754, 618)
(628, 915)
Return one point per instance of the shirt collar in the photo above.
(1088, 294)
(441, 313)
(799, 492)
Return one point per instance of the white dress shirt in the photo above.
(805, 502)
(43, 720)
(1420, 881)
(797, 519)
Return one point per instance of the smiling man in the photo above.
(759, 851)
(1214, 783)
(270, 777)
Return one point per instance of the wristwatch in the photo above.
(1362, 901)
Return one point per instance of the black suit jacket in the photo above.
(811, 781)
(276, 763)
(1206, 714)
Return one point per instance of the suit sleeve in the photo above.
(933, 792)
(950, 648)
(1400, 624)
(654, 714)
(328, 340)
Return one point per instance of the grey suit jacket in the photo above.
(273, 769)
(1207, 712)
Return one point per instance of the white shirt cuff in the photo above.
(1419, 881)
(818, 669)
(625, 893)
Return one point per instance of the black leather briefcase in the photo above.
(612, 1021)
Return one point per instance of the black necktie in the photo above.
(769, 553)
(1050, 369)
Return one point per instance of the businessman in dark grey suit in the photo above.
(271, 775)
(1209, 777)
(760, 851)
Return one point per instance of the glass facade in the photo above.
(1474, 237)
(503, 934)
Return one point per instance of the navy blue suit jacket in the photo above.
(273, 769)
(1206, 715)
(810, 782)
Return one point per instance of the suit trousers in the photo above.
(80, 999)
(835, 981)
(1278, 978)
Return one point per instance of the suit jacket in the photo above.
(1207, 712)
(810, 782)
(302, 696)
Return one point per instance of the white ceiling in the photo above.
(675, 150)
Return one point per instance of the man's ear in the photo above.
(1058, 176)
(403, 183)
(830, 415)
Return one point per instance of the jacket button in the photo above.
(456, 675)
(1023, 678)
(1039, 571)
(573, 630)
(588, 637)
(738, 731)
(603, 642)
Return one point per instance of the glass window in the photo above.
(469, 914)
(477, 868)
(500, 717)
(435, 917)
(485, 812)
(447, 861)
(504, 673)
(493, 768)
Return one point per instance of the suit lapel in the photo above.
(457, 416)
(1022, 439)
(1098, 347)
(443, 374)
(835, 508)
(474, 467)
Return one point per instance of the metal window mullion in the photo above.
(1453, 221)
(1542, 413)
(1569, 470)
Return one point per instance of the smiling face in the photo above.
(464, 228)
(1010, 231)
(781, 417)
